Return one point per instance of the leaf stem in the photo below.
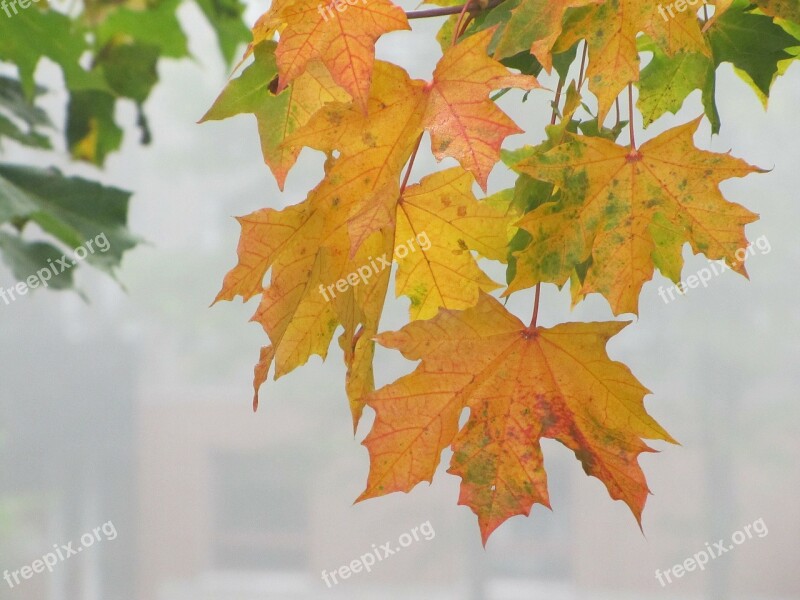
(450, 10)
(499, 94)
(630, 117)
(583, 65)
(467, 20)
(553, 118)
(411, 164)
(557, 101)
(535, 306)
(460, 26)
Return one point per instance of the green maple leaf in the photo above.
(752, 43)
(36, 34)
(70, 209)
(278, 115)
(667, 80)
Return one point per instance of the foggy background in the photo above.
(135, 408)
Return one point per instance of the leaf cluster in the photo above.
(587, 212)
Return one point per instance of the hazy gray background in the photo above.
(136, 408)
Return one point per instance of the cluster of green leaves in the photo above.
(759, 47)
(108, 53)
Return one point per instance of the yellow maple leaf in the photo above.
(631, 211)
(311, 290)
(535, 25)
(610, 29)
(445, 274)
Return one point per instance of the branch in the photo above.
(450, 10)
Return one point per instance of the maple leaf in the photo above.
(782, 9)
(610, 30)
(631, 211)
(343, 40)
(753, 43)
(446, 274)
(534, 26)
(304, 248)
(520, 385)
(453, 107)
(667, 81)
(278, 116)
(306, 245)
(463, 122)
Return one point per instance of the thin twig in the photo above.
(583, 65)
(459, 22)
(410, 164)
(449, 10)
(553, 119)
(630, 116)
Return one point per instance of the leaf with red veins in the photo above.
(463, 122)
(265, 234)
(343, 40)
(520, 385)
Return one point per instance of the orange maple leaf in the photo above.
(463, 122)
(343, 40)
(521, 384)
(454, 108)
(354, 207)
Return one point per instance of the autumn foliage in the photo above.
(587, 211)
